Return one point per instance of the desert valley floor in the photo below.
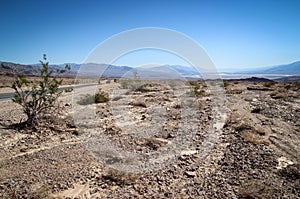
(254, 154)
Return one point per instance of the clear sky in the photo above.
(241, 33)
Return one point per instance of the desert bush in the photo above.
(38, 97)
(201, 104)
(296, 86)
(99, 97)
(193, 83)
(176, 105)
(125, 84)
(172, 85)
(132, 85)
(257, 189)
(277, 95)
(113, 176)
(139, 102)
(199, 93)
(269, 84)
(288, 86)
(148, 87)
(226, 83)
(195, 90)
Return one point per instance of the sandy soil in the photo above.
(167, 144)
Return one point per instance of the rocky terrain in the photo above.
(159, 140)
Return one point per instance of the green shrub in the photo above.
(195, 89)
(226, 83)
(296, 86)
(288, 86)
(125, 85)
(99, 97)
(269, 84)
(38, 97)
(193, 83)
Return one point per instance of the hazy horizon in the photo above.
(150, 65)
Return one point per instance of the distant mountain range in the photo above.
(166, 71)
(288, 69)
(285, 69)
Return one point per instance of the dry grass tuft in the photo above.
(114, 176)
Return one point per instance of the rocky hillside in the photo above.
(8, 68)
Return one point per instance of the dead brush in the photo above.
(251, 134)
(139, 102)
(176, 105)
(202, 104)
(257, 189)
(113, 176)
(282, 95)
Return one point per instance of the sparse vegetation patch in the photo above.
(99, 97)
(38, 97)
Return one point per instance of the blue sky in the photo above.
(237, 33)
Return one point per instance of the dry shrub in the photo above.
(201, 104)
(235, 91)
(150, 87)
(156, 143)
(276, 95)
(253, 137)
(196, 89)
(269, 84)
(176, 105)
(291, 172)
(112, 130)
(140, 103)
(99, 97)
(296, 86)
(38, 97)
(114, 176)
(226, 84)
(257, 189)
(282, 95)
(251, 134)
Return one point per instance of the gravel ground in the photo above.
(254, 155)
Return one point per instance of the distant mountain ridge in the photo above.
(287, 69)
(284, 69)
(9, 68)
(168, 71)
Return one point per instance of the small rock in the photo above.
(190, 174)
(23, 150)
(256, 110)
(170, 135)
(75, 132)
